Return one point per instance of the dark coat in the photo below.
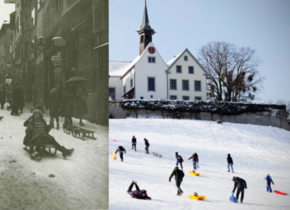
(178, 175)
(194, 158)
(239, 183)
(179, 158)
(230, 160)
(81, 103)
(138, 195)
(120, 149)
(134, 140)
(54, 103)
(68, 103)
(2, 96)
(16, 96)
(269, 180)
(146, 143)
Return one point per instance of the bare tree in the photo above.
(232, 71)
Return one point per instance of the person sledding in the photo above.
(178, 179)
(241, 185)
(179, 160)
(138, 194)
(230, 163)
(37, 135)
(121, 150)
(269, 181)
(194, 158)
(134, 142)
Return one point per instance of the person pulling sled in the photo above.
(269, 181)
(121, 150)
(241, 185)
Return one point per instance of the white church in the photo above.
(150, 77)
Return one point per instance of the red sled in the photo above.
(281, 193)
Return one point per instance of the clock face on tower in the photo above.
(151, 50)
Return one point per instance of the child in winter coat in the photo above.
(138, 194)
(178, 160)
(269, 181)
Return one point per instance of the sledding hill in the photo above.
(256, 151)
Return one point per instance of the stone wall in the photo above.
(276, 119)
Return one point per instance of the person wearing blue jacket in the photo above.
(146, 145)
(178, 160)
(269, 181)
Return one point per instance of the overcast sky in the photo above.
(263, 25)
(5, 10)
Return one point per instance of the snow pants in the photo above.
(147, 149)
(194, 164)
(134, 146)
(178, 187)
(121, 156)
(269, 187)
(241, 190)
(230, 165)
(179, 163)
(129, 191)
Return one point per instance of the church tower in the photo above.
(145, 31)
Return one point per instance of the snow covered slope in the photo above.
(256, 151)
(80, 182)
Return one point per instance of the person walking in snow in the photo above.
(230, 163)
(134, 142)
(178, 179)
(2, 97)
(194, 158)
(138, 194)
(146, 145)
(178, 160)
(241, 185)
(269, 181)
(121, 150)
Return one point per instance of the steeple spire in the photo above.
(145, 23)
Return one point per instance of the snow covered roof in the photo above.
(119, 68)
(175, 58)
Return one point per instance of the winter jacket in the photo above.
(239, 183)
(120, 149)
(2, 96)
(81, 102)
(179, 158)
(134, 140)
(178, 175)
(146, 143)
(54, 103)
(230, 160)
(269, 179)
(68, 103)
(138, 195)
(194, 158)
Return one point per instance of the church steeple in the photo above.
(145, 31)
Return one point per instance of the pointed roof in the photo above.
(145, 23)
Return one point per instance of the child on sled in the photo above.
(37, 134)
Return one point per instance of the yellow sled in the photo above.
(114, 156)
(194, 173)
(198, 198)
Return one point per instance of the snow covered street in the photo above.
(80, 182)
(256, 151)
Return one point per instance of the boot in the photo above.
(66, 152)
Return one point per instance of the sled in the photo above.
(194, 173)
(47, 148)
(280, 193)
(114, 156)
(197, 166)
(157, 155)
(78, 132)
(198, 198)
(233, 198)
(114, 140)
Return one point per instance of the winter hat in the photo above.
(37, 111)
(229, 155)
(143, 191)
(234, 178)
(176, 153)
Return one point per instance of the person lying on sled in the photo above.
(37, 134)
(138, 194)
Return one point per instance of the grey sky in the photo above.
(5, 10)
(263, 25)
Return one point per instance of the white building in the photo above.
(149, 77)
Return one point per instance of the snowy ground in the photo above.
(256, 151)
(80, 182)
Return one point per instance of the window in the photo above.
(131, 83)
(197, 85)
(190, 70)
(112, 93)
(185, 58)
(141, 97)
(185, 98)
(185, 85)
(178, 69)
(142, 39)
(173, 97)
(197, 98)
(151, 59)
(173, 84)
(151, 84)
(151, 96)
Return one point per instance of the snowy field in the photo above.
(80, 182)
(256, 151)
